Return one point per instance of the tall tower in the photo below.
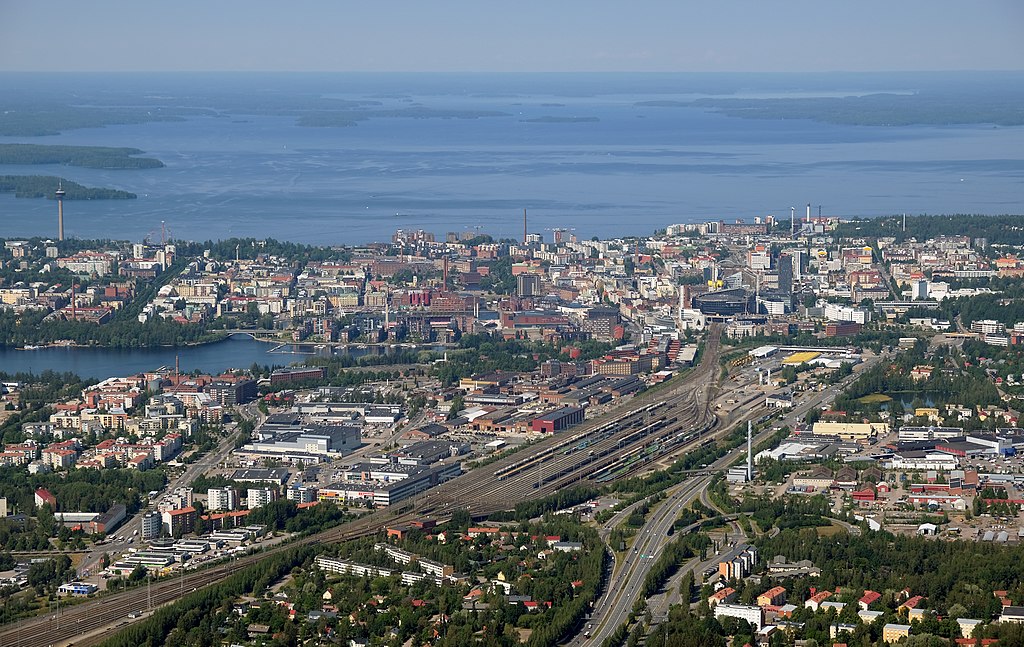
(524, 226)
(750, 455)
(60, 211)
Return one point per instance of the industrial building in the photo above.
(725, 302)
(312, 444)
(106, 522)
(416, 479)
(557, 420)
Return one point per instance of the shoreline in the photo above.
(278, 342)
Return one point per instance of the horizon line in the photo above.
(509, 72)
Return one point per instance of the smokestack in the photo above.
(904, 222)
(792, 221)
(524, 226)
(750, 455)
(808, 212)
(445, 284)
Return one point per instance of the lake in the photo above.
(238, 351)
(578, 151)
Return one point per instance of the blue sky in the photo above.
(520, 36)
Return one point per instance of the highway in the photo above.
(479, 491)
(668, 417)
(630, 569)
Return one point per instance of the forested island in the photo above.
(352, 117)
(99, 157)
(1002, 109)
(29, 119)
(45, 186)
(559, 120)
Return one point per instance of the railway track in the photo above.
(674, 419)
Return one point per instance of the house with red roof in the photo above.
(723, 596)
(814, 602)
(911, 603)
(43, 496)
(869, 598)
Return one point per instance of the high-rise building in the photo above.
(302, 494)
(259, 497)
(601, 322)
(786, 273)
(222, 498)
(528, 285)
(920, 290)
(151, 525)
(799, 257)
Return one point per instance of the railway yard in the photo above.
(652, 427)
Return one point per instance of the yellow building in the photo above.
(894, 633)
(854, 431)
(800, 358)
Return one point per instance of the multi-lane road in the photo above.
(479, 491)
(647, 428)
(631, 568)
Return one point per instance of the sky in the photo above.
(519, 36)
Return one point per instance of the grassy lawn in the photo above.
(874, 398)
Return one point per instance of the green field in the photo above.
(874, 398)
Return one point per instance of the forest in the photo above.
(99, 157)
(1004, 229)
(967, 386)
(956, 578)
(81, 490)
(481, 353)
(122, 332)
(34, 118)
(44, 186)
(931, 106)
(250, 248)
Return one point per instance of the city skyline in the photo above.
(462, 36)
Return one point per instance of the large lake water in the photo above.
(238, 351)
(626, 169)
